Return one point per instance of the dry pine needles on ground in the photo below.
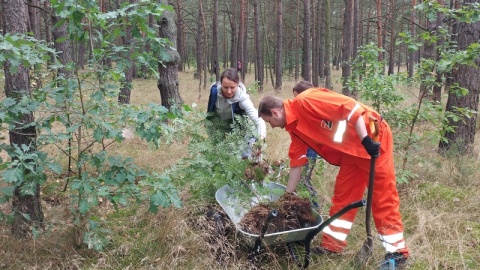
(293, 213)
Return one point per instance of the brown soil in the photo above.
(293, 213)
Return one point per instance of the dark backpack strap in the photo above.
(212, 99)
(236, 109)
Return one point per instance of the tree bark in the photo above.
(180, 36)
(466, 76)
(241, 40)
(321, 38)
(411, 54)
(62, 46)
(127, 83)
(379, 29)
(391, 50)
(233, 37)
(215, 65)
(428, 54)
(328, 78)
(437, 88)
(297, 43)
(279, 46)
(167, 67)
(259, 73)
(307, 59)
(356, 28)
(200, 44)
(315, 44)
(347, 46)
(15, 17)
(34, 18)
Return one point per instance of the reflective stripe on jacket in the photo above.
(325, 121)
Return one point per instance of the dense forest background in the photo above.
(71, 68)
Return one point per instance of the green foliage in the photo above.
(214, 156)
(253, 88)
(468, 13)
(79, 114)
(96, 236)
(23, 50)
(375, 85)
(369, 79)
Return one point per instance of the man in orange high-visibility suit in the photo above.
(335, 126)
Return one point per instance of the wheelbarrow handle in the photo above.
(324, 224)
(258, 242)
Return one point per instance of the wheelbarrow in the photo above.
(236, 206)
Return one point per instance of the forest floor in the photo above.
(439, 208)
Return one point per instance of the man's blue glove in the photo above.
(373, 148)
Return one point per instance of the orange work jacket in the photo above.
(325, 121)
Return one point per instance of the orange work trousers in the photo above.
(350, 185)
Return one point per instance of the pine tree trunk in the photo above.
(356, 29)
(241, 40)
(437, 88)
(328, 78)
(307, 60)
(297, 43)
(411, 54)
(15, 17)
(258, 46)
(391, 50)
(180, 35)
(428, 54)
(215, 65)
(62, 46)
(34, 18)
(315, 44)
(279, 46)
(168, 69)
(126, 86)
(200, 44)
(466, 76)
(233, 37)
(347, 46)
(379, 29)
(321, 39)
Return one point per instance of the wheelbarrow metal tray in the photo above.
(236, 207)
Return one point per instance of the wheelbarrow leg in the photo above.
(258, 242)
(292, 253)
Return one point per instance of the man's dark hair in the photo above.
(267, 104)
(231, 74)
(302, 86)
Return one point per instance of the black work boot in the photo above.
(395, 260)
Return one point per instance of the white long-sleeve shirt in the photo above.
(224, 107)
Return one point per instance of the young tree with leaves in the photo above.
(464, 91)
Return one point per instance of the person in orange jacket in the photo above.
(308, 168)
(335, 126)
